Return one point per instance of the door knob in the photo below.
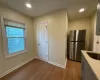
(39, 44)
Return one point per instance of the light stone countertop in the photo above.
(94, 64)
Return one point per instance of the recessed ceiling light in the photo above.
(28, 5)
(81, 10)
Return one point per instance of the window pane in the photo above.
(14, 32)
(15, 45)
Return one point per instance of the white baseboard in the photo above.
(59, 65)
(21, 64)
(16, 67)
(56, 64)
(36, 57)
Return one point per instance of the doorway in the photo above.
(42, 41)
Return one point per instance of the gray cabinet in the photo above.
(98, 20)
(87, 73)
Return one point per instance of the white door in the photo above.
(42, 41)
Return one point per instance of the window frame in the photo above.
(5, 39)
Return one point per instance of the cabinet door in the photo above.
(96, 45)
(83, 71)
(87, 73)
(98, 20)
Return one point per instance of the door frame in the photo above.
(47, 38)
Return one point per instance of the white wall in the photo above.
(6, 64)
(57, 33)
(81, 24)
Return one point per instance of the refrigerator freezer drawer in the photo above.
(75, 50)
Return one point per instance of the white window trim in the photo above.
(5, 48)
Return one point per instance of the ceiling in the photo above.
(41, 7)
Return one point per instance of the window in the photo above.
(14, 38)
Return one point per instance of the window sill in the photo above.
(14, 54)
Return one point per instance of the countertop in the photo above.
(94, 64)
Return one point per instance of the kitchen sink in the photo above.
(94, 55)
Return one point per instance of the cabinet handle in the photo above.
(97, 42)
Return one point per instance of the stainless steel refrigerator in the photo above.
(76, 44)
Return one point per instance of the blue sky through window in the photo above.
(14, 32)
(16, 41)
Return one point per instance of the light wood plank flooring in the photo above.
(39, 70)
(73, 70)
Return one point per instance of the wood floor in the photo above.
(73, 70)
(39, 70)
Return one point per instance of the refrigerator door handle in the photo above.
(71, 56)
(72, 51)
(75, 50)
(77, 35)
